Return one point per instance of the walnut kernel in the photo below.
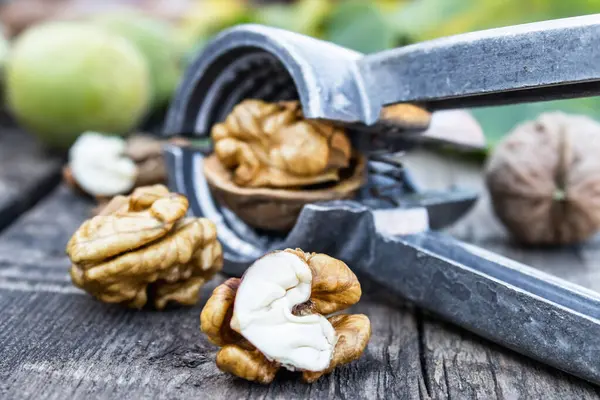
(275, 316)
(143, 246)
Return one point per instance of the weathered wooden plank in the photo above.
(57, 342)
(27, 173)
(460, 365)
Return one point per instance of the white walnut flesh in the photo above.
(99, 165)
(262, 314)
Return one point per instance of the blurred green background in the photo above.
(366, 26)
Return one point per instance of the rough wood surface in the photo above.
(27, 173)
(56, 342)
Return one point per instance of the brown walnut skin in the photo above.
(544, 180)
(142, 247)
(147, 153)
(334, 288)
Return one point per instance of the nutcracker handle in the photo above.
(548, 60)
(532, 62)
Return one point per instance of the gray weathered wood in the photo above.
(27, 173)
(460, 365)
(57, 342)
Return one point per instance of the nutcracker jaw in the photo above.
(252, 61)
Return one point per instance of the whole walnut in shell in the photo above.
(142, 246)
(276, 316)
(544, 180)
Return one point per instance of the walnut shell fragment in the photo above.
(275, 209)
(143, 247)
(406, 116)
(544, 180)
(270, 161)
(276, 316)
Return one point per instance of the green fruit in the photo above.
(64, 78)
(159, 44)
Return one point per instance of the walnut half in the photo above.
(273, 145)
(143, 246)
(275, 316)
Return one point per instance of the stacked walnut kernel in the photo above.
(142, 247)
(275, 316)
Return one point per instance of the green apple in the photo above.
(64, 78)
(158, 42)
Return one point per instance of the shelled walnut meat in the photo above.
(544, 180)
(273, 145)
(270, 161)
(143, 248)
(104, 166)
(276, 316)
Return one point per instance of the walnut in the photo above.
(147, 153)
(103, 166)
(275, 316)
(544, 180)
(98, 166)
(406, 116)
(272, 145)
(270, 161)
(142, 246)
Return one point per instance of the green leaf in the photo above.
(429, 19)
(360, 26)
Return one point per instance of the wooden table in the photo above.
(57, 342)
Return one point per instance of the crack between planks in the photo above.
(446, 378)
(422, 357)
(497, 389)
(28, 199)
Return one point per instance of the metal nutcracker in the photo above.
(509, 303)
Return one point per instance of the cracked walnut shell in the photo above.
(142, 246)
(272, 145)
(544, 180)
(276, 316)
(269, 162)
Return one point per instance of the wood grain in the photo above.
(27, 173)
(461, 365)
